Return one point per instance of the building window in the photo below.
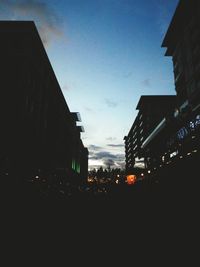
(135, 147)
(76, 166)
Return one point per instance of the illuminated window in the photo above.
(73, 164)
(76, 166)
(173, 154)
(192, 125)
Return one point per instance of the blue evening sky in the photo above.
(105, 54)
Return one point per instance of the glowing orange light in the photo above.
(131, 179)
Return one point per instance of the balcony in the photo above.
(184, 106)
(76, 116)
(80, 128)
(155, 132)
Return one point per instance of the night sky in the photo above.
(105, 54)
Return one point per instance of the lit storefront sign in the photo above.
(189, 128)
(182, 133)
(131, 179)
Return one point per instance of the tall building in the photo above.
(172, 148)
(167, 135)
(38, 133)
(182, 41)
(151, 110)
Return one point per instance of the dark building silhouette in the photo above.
(182, 41)
(172, 147)
(38, 132)
(151, 111)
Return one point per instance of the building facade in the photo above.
(173, 147)
(151, 110)
(182, 42)
(38, 134)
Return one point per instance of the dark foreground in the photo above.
(95, 224)
(160, 189)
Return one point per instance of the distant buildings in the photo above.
(38, 132)
(171, 143)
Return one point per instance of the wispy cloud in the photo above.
(102, 155)
(115, 145)
(94, 148)
(111, 138)
(47, 20)
(146, 83)
(90, 110)
(109, 163)
(110, 103)
(66, 87)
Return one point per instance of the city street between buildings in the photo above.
(149, 157)
(99, 132)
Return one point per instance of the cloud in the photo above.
(117, 161)
(110, 103)
(106, 155)
(88, 109)
(109, 163)
(111, 138)
(102, 155)
(94, 147)
(93, 150)
(146, 83)
(65, 88)
(115, 145)
(120, 165)
(47, 21)
(107, 158)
